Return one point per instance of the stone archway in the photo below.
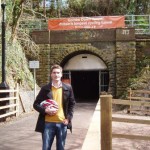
(85, 62)
(71, 50)
(113, 46)
(88, 75)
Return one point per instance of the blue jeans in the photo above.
(51, 130)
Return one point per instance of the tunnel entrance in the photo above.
(88, 76)
(85, 85)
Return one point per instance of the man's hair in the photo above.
(56, 67)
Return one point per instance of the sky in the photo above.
(48, 2)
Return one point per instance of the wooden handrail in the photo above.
(127, 120)
(127, 102)
(106, 121)
(8, 91)
(8, 98)
(8, 106)
(8, 114)
(133, 137)
(139, 98)
(16, 101)
(132, 96)
(140, 91)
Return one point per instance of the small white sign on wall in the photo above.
(33, 64)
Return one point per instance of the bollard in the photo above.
(106, 122)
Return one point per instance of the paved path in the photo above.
(20, 135)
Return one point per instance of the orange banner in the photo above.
(100, 22)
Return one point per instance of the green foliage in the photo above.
(143, 63)
(17, 70)
(98, 7)
(17, 66)
(141, 80)
(77, 7)
(9, 6)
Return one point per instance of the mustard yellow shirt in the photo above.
(59, 117)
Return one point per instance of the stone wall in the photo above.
(42, 74)
(116, 47)
(125, 64)
(69, 50)
(142, 47)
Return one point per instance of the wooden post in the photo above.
(106, 122)
(17, 99)
(129, 95)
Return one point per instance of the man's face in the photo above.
(56, 75)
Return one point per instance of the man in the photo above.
(55, 123)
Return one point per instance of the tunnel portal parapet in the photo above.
(116, 47)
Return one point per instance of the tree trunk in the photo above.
(44, 7)
(17, 11)
(58, 8)
(108, 7)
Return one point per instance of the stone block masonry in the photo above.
(116, 47)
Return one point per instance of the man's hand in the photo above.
(66, 121)
(49, 112)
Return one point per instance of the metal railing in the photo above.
(30, 25)
(141, 23)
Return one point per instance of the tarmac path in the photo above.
(20, 134)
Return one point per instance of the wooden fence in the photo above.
(13, 102)
(107, 118)
(139, 96)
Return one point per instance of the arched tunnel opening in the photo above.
(88, 75)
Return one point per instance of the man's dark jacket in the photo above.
(68, 104)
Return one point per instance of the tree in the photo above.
(16, 13)
(95, 7)
(108, 7)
